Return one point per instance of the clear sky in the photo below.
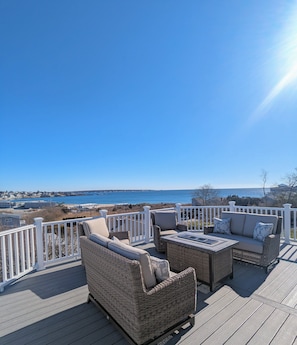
(163, 94)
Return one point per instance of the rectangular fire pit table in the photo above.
(210, 256)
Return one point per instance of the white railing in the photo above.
(41, 244)
(293, 226)
(197, 217)
(133, 222)
(18, 253)
(60, 240)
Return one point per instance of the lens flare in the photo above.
(287, 62)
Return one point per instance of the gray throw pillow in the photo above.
(222, 226)
(262, 230)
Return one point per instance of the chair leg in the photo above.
(271, 265)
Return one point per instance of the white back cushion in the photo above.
(96, 226)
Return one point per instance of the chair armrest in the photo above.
(181, 227)
(173, 300)
(121, 235)
(208, 229)
(174, 290)
(268, 240)
(81, 231)
(157, 228)
(271, 246)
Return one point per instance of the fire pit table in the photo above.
(210, 256)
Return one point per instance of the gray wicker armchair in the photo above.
(144, 315)
(164, 224)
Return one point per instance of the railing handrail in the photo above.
(15, 230)
(266, 208)
(72, 220)
(124, 214)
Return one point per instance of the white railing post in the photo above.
(287, 222)
(147, 223)
(178, 210)
(103, 213)
(39, 243)
(232, 206)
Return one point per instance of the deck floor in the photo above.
(49, 307)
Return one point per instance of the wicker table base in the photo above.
(212, 262)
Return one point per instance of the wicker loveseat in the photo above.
(244, 227)
(128, 292)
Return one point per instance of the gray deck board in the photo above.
(291, 298)
(289, 252)
(230, 327)
(247, 330)
(49, 307)
(287, 332)
(269, 328)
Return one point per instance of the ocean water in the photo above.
(146, 196)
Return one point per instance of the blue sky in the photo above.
(160, 94)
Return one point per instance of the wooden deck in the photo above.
(49, 307)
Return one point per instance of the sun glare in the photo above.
(287, 63)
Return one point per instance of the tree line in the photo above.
(279, 195)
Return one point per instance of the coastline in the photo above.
(90, 206)
(128, 197)
(4, 210)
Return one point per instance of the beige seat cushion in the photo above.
(244, 242)
(168, 232)
(138, 254)
(125, 240)
(96, 226)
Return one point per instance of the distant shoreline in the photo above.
(133, 197)
(53, 194)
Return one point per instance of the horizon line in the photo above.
(122, 190)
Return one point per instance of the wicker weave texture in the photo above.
(222, 264)
(117, 284)
(181, 257)
(210, 268)
(159, 244)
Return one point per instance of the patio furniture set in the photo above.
(256, 236)
(148, 298)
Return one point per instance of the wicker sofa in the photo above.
(124, 285)
(243, 227)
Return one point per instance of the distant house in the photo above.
(282, 188)
(10, 221)
(6, 204)
(38, 204)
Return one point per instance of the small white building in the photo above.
(10, 221)
(6, 204)
(38, 204)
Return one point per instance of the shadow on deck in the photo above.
(49, 307)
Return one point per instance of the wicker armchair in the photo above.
(165, 223)
(144, 315)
